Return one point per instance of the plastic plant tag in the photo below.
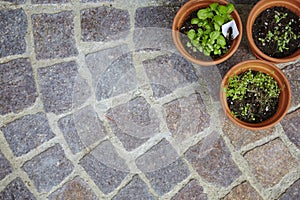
(232, 25)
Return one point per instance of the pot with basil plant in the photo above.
(207, 32)
(273, 30)
(255, 94)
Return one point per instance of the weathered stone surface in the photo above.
(62, 87)
(163, 167)
(243, 191)
(76, 189)
(49, 168)
(82, 129)
(50, 1)
(55, 39)
(104, 23)
(212, 160)
(13, 26)
(167, 73)
(292, 73)
(17, 86)
(133, 122)
(27, 133)
(191, 191)
(240, 137)
(5, 166)
(155, 16)
(293, 192)
(16, 190)
(291, 126)
(16, 1)
(270, 162)
(135, 190)
(186, 117)
(105, 167)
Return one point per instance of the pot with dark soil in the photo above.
(207, 32)
(255, 94)
(273, 30)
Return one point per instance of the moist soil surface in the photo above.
(265, 22)
(199, 55)
(260, 110)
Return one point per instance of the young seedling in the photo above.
(208, 38)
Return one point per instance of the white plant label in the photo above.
(232, 24)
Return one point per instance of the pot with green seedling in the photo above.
(207, 32)
(273, 30)
(255, 94)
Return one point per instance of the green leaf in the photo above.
(223, 9)
(188, 44)
(200, 48)
(230, 8)
(195, 42)
(191, 34)
(221, 41)
(210, 46)
(195, 21)
(214, 35)
(219, 20)
(217, 51)
(217, 27)
(203, 13)
(200, 32)
(213, 6)
(206, 52)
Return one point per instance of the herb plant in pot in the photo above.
(255, 94)
(207, 32)
(273, 30)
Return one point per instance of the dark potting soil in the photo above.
(261, 111)
(265, 22)
(199, 55)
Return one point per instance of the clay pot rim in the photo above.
(184, 12)
(284, 98)
(255, 11)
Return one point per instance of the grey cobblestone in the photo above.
(27, 133)
(49, 168)
(50, 1)
(293, 192)
(16, 190)
(191, 191)
(17, 86)
(5, 166)
(13, 26)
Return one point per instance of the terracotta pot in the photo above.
(277, 74)
(184, 12)
(292, 5)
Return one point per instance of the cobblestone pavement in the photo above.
(96, 103)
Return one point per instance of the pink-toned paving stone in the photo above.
(243, 191)
(291, 126)
(270, 163)
(192, 191)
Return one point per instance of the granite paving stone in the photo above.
(5, 166)
(241, 137)
(17, 86)
(54, 35)
(167, 73)
(82, 129)
(135, 190)
(59, 84)
(75, 189)
(186, 117)
(291, 126)
(118, 78)
(243, 191)
(192, 191)
(49, 168)
(163, 167)
(104, 24)
(16, 1)
(133, 122)
(105, 167)
(270, 162)
(292, 73)
(293, 192)
(13, 26)
(50, 1)
(212, 160)
(27, 133)
(16, 190)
